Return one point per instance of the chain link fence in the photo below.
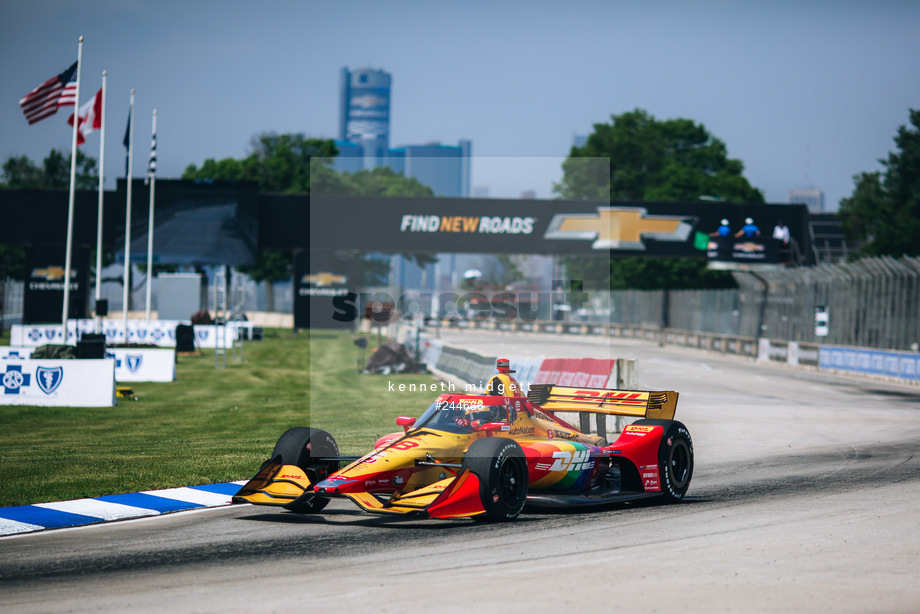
(871, 303)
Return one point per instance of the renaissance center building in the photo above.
(363, 142)
(364, 138)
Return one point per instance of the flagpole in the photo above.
(127, 275)
(99, 222)
(70, 201)
(153, 182)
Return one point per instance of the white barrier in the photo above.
(143, 365)
(161, 333)
(33, 335)
(131, 364)
(13, 352)
(207, 336)
(62, 383)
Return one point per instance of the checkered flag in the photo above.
(152, 162)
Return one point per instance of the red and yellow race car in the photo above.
(487, 456)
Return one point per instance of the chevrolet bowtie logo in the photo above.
(52, 273)
(619, 227)
(323, 279)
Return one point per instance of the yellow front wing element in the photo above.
(638, 403)
(415, 501)
(276, 484)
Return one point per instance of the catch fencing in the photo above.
(870, 303)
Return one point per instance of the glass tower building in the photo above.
(364, 138)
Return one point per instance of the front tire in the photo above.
(299, 446)
(675, 458)
(501, 467)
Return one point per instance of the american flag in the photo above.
(44, 100)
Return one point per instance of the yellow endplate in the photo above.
(286, 485)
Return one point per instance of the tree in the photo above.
(20, 172)
(381, 181)
(637, 157)
(278, 162)
(670, 160)
(882, 216)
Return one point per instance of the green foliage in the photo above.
(639, 158)
(278, 163)
(21, 173)
(207, 426)
(652, 160)
(383, 181)
(882, 216)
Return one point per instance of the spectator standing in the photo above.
(749, 230)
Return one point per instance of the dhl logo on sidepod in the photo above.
(638, 428)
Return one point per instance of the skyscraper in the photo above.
(812, 197)
(364, 138)
(364, 100)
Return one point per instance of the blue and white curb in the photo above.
(41, 516)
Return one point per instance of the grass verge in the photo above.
(208, 426)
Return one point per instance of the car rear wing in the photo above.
(637, 403)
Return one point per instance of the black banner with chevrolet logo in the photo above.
(43, 299)
(454, 225)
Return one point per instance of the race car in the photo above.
(487, 456)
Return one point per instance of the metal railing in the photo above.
(871, 303)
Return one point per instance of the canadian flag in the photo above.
(90, 117)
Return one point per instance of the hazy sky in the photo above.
(804, 93)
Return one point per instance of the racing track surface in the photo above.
(805, 497)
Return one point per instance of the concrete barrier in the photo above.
(900, 366)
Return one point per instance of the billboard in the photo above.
(195, 222)
(603, 229)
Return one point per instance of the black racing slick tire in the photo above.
(300, 446)
(501, 467)
(675, 458)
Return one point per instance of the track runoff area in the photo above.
(804, 498)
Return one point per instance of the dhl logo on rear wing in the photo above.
(642, 404)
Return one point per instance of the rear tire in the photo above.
(675, 458)
(298, 446)
(501, 467)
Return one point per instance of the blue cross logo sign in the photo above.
(14, 379)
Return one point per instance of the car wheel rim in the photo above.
(680, 464)
(512, 482)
